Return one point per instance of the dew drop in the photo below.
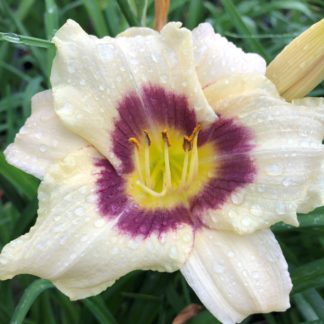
(3, 261)
(66, 109)
(256, 210)
(79, 211)
(281, 209)
(106, 51)
(173, 252)
(274, 169)
(187, 237)
(132, 244)
(100, 223)
(246, 222)
(71, 68)
(91, 198)
(11, 37)
(154, 58)
(83, 190)
(218, 268)
(237, 198)
(232, 214)
(84, 238)
(287, 182)
(43, 148)
(115, 250)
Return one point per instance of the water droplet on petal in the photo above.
(256, 210)
(281, 208)
(218, 268)
(106, 51)
(43, 148)
(173, 252)
(274, 169)
(79, 211)
(100, 223)
(237, 198)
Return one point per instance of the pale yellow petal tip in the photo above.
(299, 68)
(144, 31)
(71, 29)
(77, 293)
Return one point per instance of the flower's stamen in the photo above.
(167, 169)
(147, 170)
(187, 146)
(135, 142)
(194, 161)
(150, 191)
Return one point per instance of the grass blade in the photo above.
(28, 298)
(96, 16)
(24, 184)
(101, 314)
(127, 12)
(310, 275)
(304, 307)
(25, 40)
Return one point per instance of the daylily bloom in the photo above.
(166, 151)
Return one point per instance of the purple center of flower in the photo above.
(157, 110)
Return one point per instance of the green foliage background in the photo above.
(140, 297)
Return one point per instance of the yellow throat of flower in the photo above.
(169, 168)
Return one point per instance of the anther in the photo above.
(134, 141)
(187, 144)
(195, 132)
(147, 138)
(165, 137)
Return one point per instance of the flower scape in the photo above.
(166, 151)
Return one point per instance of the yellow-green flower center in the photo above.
(169, 168)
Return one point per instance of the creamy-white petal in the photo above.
(235, 276)
(92, 77)
(43, 139)
(78, 249)
(287, 154)
(216, 57)
(315, 193)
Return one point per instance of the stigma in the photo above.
(165, 162)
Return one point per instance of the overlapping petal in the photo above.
(80, 251)
(315, 193)
(95, 79)
(43, 139)
(216, 58)
(237, 275)
(287, 155)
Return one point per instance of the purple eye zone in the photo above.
(156, 105)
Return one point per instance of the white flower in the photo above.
(165, 151)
